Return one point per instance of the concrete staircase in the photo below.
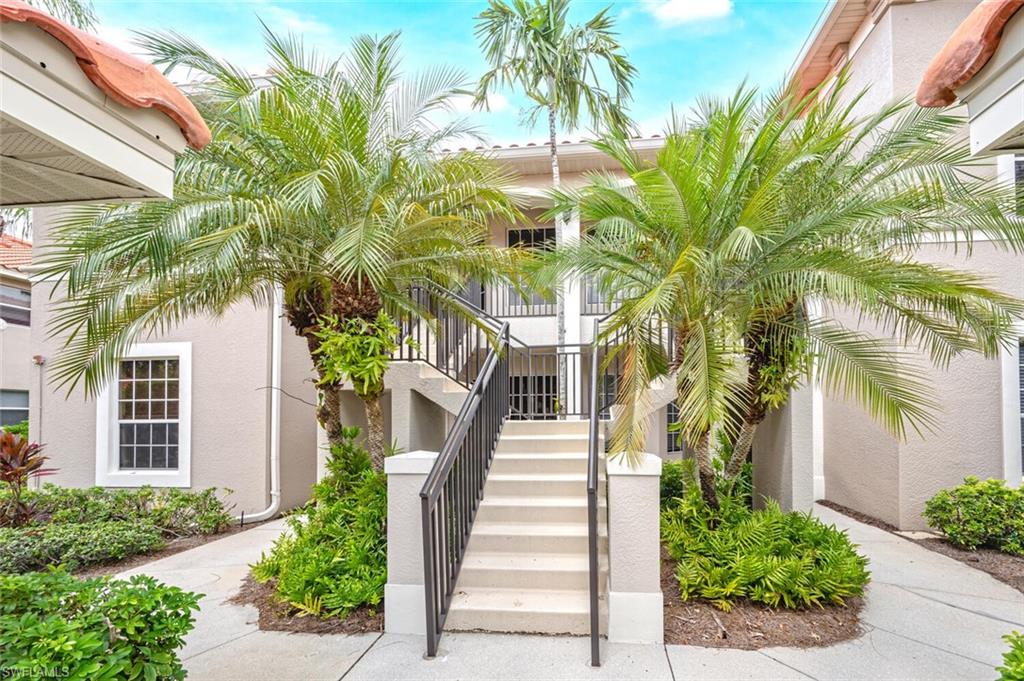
(526, 565)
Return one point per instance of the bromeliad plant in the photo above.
(323, 178)
(20, 461)
(359, 351)
(759, 228)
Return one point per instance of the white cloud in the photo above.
(495, 102)
(281, 17)
(676, 12)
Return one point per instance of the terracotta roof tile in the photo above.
(126, 79)
(14, 252)
(966, 52)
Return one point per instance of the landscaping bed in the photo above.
(277, 615)
(749, 626)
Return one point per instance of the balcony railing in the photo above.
(505, 301)
(593, 303)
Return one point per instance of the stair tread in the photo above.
(531, 600)
(561, 529)
(513, 500)
(500, 560)
(546, 436)
(537, 477)
(542, 456)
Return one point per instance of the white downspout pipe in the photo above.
(275, 415)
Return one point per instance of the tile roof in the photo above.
(14, 252)
(128, 80)
(582, 140)
(966, 52)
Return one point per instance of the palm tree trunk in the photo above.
(741, 448)
(556, 181)
(375, 430)
(705, 471)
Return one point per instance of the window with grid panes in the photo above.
(148, 414)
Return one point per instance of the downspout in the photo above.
(275, 414)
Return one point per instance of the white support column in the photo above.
(573, 303)
(634, 552)
(404, 607)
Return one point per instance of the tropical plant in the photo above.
(20, 428)
(977, 514)
(20, 461)
(78, 13)
(75, 545)
(334, 560)
(1012, 668)
(321, 180)
(759, 227)
(530, 44)
(359, 351)
(52, 624)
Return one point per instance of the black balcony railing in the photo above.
(592, 302)
(503, 300)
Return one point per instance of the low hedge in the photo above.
(980, 514)
(334, 560)
(53, 624)
(74, 545)
(789, 560)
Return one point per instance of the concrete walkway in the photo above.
(926, 617)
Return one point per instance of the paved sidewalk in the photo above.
(926, 617)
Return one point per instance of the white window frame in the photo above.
(25, 409)
(108, 471)
(1010, 385)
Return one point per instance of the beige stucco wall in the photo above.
(230, 444)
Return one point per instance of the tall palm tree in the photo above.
(78, 13)
(753, 234)
(531, 45)
(321, 179)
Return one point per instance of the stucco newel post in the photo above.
(404, 605)
(634, 552)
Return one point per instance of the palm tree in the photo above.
(530, 44)
(752, 234)
(321, 179)
(78, 13)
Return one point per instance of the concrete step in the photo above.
(531, 462)
(527, 571)
(520, 538)
(552, 427)
(530, 485)
(571, 442)
(546, 611)
(546, 509)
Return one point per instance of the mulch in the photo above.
(276, 615)
(1005, 567)
(749, 625)
(172, 547)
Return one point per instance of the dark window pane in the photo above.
(124, 390)
(127, 434)
(141, 390)
(172, 433)
(126, 369)
(159, 368)
(142, 368)
(172, 390)
(142, 457)
(125, 411)
(126, 460)
(158, 390)
(143, 432)
(159, 457)
(172, 368)
(16, 315)
(159, 433)
(172, 409)
(156, 410)
(142, 410)
(9, 417)
(172, 457)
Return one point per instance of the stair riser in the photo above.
(539, 445)
(515, 543)
(504, 463)
(546, 428)
(535, 488)
(524, 579)
(532, 514)
(518, 621)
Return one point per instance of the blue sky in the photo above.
(681, 48)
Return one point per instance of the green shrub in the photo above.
(335, 558)
(1013, 659)
(176, 512)
(980, 514)
(676, 476)
(74, 544)
(17, 429)
(93, 628)
(789, 560)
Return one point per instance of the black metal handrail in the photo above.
(454, 487)
(593, 475)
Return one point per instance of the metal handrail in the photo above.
(592, 483)
(453, 489)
